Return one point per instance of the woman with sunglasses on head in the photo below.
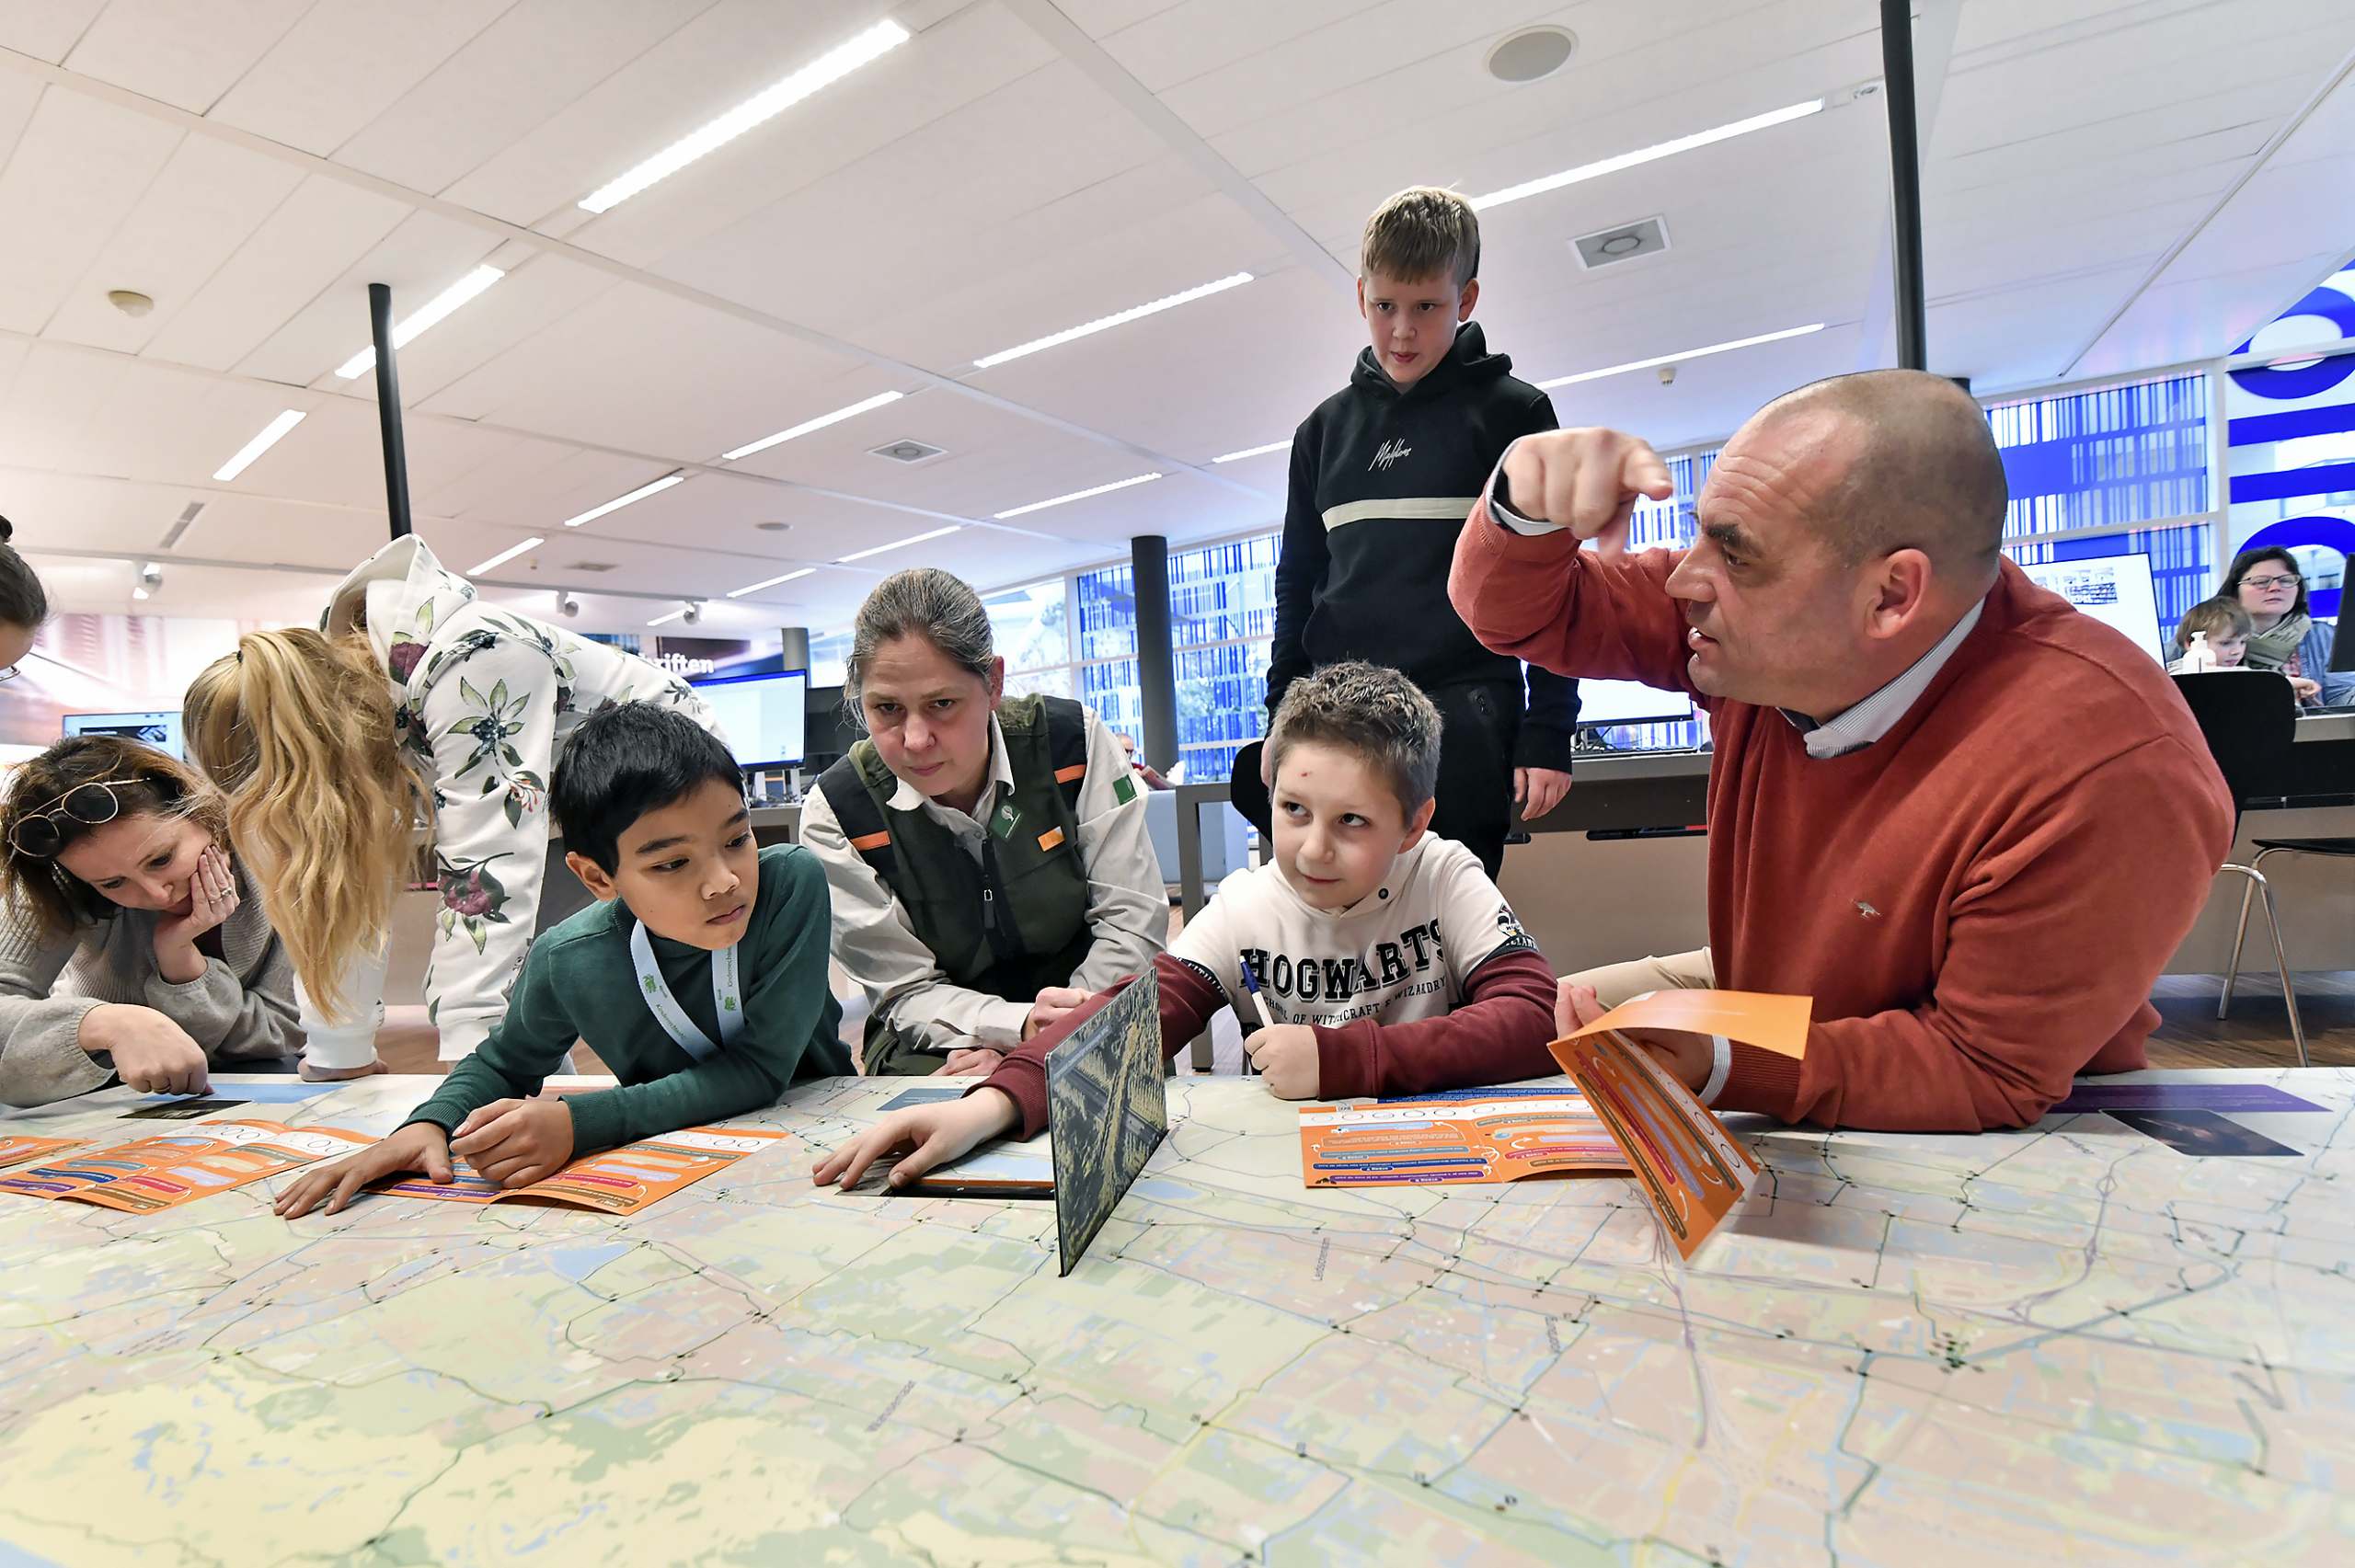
(132, 943)
(2283, 636)
(414, 698)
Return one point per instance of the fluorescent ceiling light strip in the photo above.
(1680, 359)
(620, 501)
(503, 556)
(915, 539)
(755, 588)
(820, 423)
(1646, 154)
(827, 68)
(664, 620)
(438, 306)
(259, 444)
(1077, 495)
(1254, 451)
(1233, 281)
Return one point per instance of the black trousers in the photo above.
(1480, 726)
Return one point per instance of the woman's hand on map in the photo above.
(936, 1134)
(1285, 1055)
(515, 1142)
(420, 1146)
(1687, 1055)
(151, 1053)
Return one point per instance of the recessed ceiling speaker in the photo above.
(130, 301)
(593, 565)
(1623, 244)
(1531, 53)
(905, 451)
(771, 526)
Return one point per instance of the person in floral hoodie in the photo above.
(480, 699)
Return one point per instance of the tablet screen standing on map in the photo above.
(1107, 1112)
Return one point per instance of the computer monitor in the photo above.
(761, 716)
(1604, 703)
(2113, 589)
(161, 730)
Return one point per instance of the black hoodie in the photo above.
(1381, 480)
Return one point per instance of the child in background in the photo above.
(1384, 474)
(2223, 626)
(1388, 961)
(698, 937)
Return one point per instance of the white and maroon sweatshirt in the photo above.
(1426, 983)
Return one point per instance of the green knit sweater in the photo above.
(579, 984)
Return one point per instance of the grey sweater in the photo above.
(241, 1009)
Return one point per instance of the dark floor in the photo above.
(2258, 1034)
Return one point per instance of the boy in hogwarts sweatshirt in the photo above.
(1383, 476)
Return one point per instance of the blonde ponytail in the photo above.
(299, 731)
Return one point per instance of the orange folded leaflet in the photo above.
(173, 1168)
(1693, 1172)
(16, 1150)
(619, 1181)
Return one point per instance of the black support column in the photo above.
(1904, 183)
(389, 408)
(1157, 666)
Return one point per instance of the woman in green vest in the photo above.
(987, 854)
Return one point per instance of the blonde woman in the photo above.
(414, 696)
(132, 945)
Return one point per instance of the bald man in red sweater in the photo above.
(1969, 821)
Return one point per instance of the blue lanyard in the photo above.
(726, 999)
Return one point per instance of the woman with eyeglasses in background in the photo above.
(2273, 588)
(23, 605)
(131, 943)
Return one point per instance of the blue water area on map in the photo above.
(17, 1557)
(578, 1263)
(261, 1094)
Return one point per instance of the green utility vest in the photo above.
(1012, 925)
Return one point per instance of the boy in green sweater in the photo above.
(701, 971)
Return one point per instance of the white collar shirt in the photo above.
(1867, 721)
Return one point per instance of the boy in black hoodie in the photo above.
(1383, 476)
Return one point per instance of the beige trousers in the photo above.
(1614, 983)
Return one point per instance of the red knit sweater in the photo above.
(1978, 902)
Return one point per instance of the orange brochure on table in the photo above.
(1692, 1170)
(172, 1168)
(16, 1150)
(619, 1181)
(1458, 1135)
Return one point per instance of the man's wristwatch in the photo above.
(1501, 502)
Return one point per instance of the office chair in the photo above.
(2250, 721)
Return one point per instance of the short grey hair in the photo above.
(921, 601)
(1370, 711)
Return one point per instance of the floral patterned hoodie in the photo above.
(483, 699)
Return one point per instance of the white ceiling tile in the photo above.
(539, 57)
(182, 54)
(76, 173)
(47, 31)
(424, 254)
(345, 62)
(207, 200)
(302, 246)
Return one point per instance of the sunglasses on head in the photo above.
(92, 804)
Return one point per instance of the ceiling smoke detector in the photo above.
(1531, 53)
(593, 565)
(130, 301)
(1621, 243)
(906, 450)
(771, 526)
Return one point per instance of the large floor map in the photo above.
(2070, 1346)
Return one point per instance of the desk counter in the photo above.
(2070, 1344)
